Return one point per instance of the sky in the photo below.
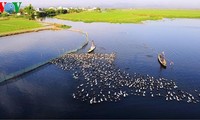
(179, 4)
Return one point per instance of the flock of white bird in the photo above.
(101, 81)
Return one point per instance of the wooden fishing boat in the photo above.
(92, 47)
(162, 60)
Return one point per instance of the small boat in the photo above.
(162, 60)
(92, 47)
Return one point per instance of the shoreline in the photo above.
(47, 26)
(128, 15)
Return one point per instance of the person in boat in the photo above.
(93, 43)
(92, 47)
(162, 56)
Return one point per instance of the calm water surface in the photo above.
(47, 92)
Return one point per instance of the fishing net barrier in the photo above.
(38, 65)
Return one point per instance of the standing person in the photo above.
(162, 56)
(163, 53)
(93, 43)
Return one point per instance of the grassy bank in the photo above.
(10, 25)
(13, 26)
(129, 15)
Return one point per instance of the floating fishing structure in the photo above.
(100, 80)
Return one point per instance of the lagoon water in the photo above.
(47, 92)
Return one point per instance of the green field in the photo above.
(128, 15)
(10, 25)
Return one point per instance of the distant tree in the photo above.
(21, 11)
(4, 14)
(58, 11)
(30, 11)
(98, 9)
(79, 10)
(50, 12)
(41, 14)
(64, 11)
(72, 10)
(61, 11)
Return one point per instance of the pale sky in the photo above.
(194, 4)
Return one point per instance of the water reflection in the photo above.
(17, 52)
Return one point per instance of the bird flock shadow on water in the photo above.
(102, 81)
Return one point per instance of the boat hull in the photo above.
(163, 62)
(91, 49)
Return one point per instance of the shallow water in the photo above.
(47, 92)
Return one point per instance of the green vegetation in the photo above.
(4, 14)
(128, 15)
(50, 12)
(29, 10)
(65, 26)
(23, 21)
(9, 25)
(12, 25)
(61, 26)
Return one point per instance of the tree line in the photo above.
(30, 12)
